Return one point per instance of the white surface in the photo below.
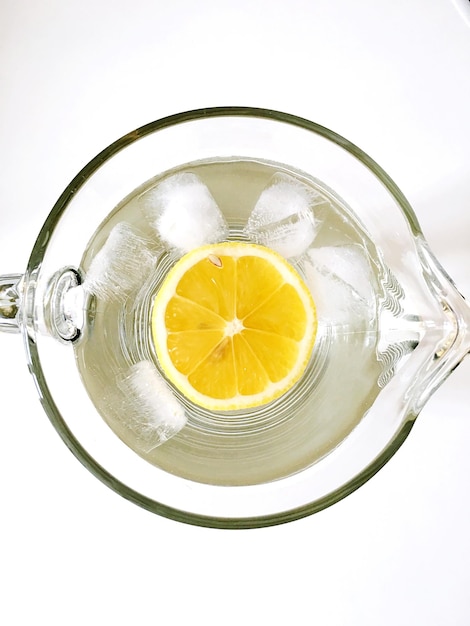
(393, 77)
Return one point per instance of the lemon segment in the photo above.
(247, 361)
(182, 314)
(212, 289)
(251, 293)
(283, 314)
(215, 377)
(233, 326)
(187, 349)
(276, 353)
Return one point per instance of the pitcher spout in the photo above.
(454, 343)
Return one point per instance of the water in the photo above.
(116, 357)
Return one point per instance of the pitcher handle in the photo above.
(10, 302)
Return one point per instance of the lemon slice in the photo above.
(233, 326)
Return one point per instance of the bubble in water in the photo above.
(123, 262)
(342, 284)
(149, 408)
(283, 218)
(184, 212)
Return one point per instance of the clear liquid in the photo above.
(265, 443)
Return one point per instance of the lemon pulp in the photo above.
(233, 326)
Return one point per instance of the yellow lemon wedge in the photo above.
(233, 326)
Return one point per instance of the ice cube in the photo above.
(121, 265)
(342, 285)
(347, 262)
(150, 410)
(184, 212)
(283, 217)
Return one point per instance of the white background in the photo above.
(394, 78)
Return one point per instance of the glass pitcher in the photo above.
(391, 323)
